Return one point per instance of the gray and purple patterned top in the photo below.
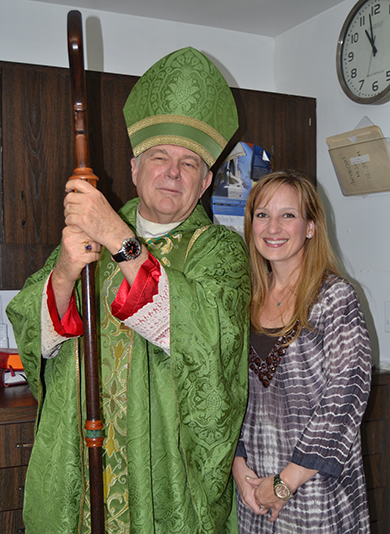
(310, 415)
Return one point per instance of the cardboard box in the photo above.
(361, 159)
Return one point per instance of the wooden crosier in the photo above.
(93, 425)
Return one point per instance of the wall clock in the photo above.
(363, 53)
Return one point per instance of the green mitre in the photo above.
(183, 100)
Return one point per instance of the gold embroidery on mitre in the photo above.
(178, 119)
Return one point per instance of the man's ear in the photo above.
(206, 182)
(134, 170)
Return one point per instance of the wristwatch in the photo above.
(131, 249)
(281, 490)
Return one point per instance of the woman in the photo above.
(298, 466)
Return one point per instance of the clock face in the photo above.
(363, 53)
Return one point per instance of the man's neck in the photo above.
(149, 229)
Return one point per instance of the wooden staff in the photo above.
(93, 424)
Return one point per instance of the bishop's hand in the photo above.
(89, 210)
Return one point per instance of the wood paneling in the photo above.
(375, 433)
(11, 522)
(18, 410)
(37, 149)
(284, 125)
(16, 441)
(12, 488)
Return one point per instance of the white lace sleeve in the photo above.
(50, 341)
(152, 320)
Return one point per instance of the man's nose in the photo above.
(173, 170)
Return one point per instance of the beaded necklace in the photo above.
(265, 370)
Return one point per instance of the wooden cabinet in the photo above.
(36, 147)
(17, 415)
(375, 432)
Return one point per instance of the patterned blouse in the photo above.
(310, 414)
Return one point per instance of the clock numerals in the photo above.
(354, 38)
(363, 52)
(376, 9)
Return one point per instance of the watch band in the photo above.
(281, 490)
(130, 250)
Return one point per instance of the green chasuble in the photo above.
(171, 422)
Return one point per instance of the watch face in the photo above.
(282, 492)
(363, 52)
(132, 248)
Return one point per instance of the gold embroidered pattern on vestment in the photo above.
(195, 236)
(164, 244)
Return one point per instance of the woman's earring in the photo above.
(309, 236)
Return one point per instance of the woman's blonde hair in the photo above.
(318, 258)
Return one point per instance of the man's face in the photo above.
(170, 181)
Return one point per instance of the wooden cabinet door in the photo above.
(36, 155)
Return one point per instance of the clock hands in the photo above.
(371, 38)
(363, 53)
(372, 43)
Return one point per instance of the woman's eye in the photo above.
(289, 215)
(261, 215)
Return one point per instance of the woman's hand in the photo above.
(293, 476)
(264, 494)
(242, 475)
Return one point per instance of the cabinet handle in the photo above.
(24, 445)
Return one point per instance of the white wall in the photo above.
(34, 32)
(305, 64)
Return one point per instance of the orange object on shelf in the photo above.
(10, 359)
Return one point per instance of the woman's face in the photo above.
(279, 230)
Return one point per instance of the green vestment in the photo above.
(171, 422)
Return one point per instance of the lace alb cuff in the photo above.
(152, 321)
(51, 341)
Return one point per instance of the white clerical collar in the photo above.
(148, 229)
